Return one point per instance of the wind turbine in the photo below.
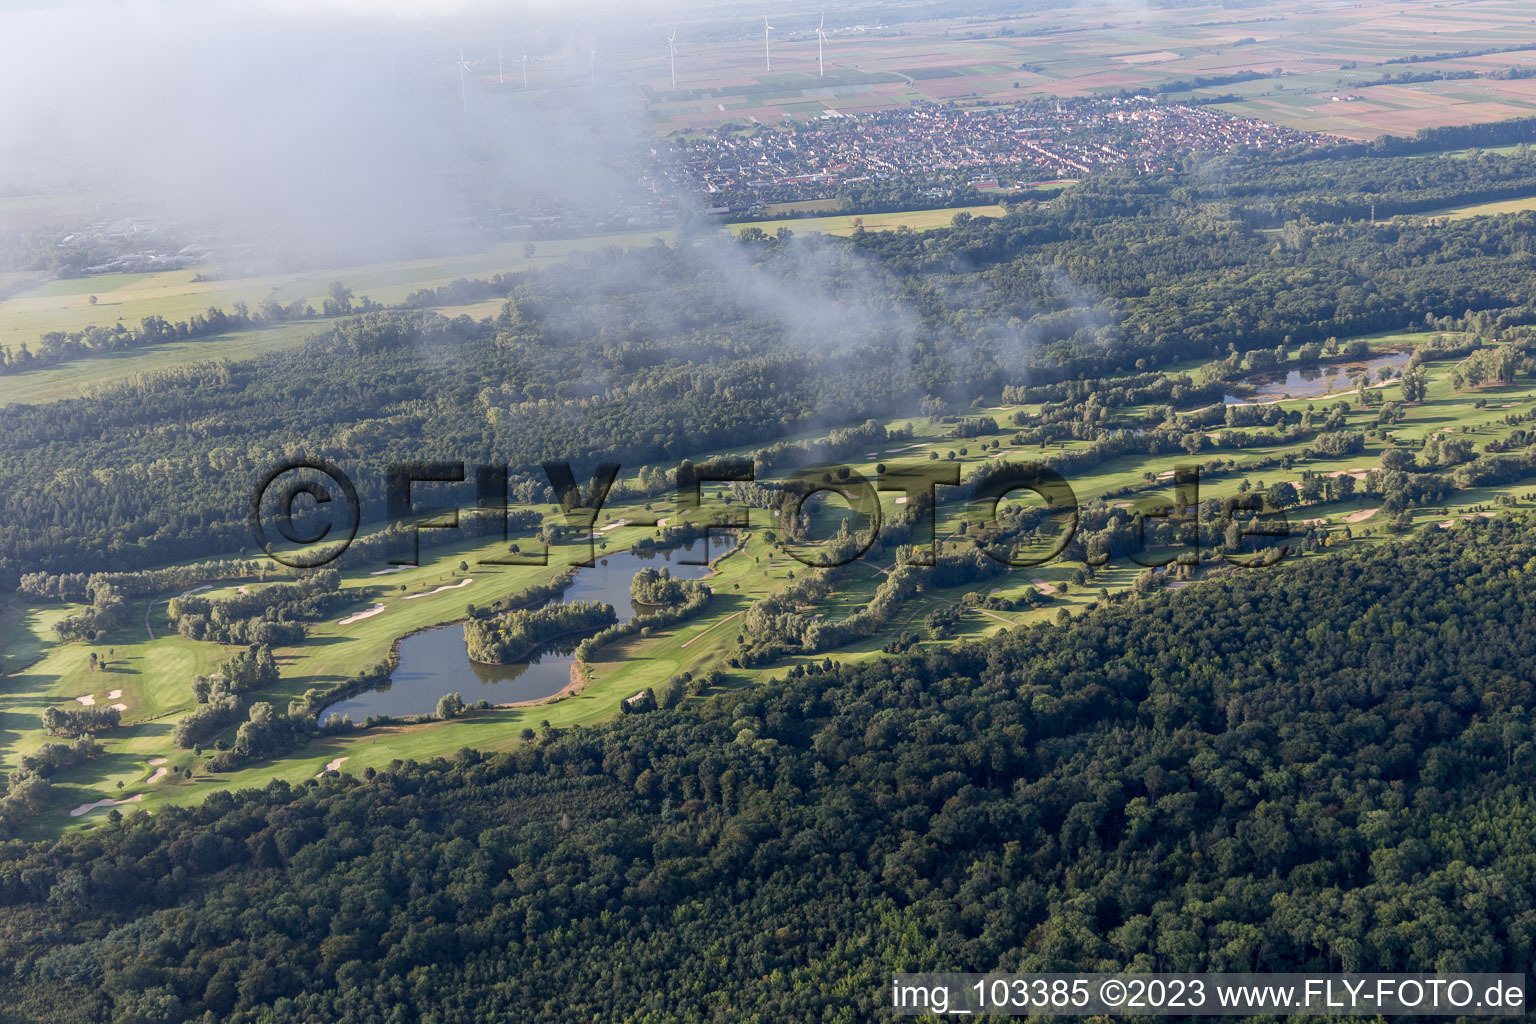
(672, 55)
(525, 71)
(767, 59)
(501, 78)
(463, 89)
(592, 56)
(821, 37)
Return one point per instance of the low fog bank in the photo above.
(342, 132)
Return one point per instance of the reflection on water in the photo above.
(435, 661)
(1315, 380)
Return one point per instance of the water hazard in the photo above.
(434, 661)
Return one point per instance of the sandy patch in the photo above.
(995, 590)
(119, 708)
(1168, 475)
(195, 590)
(358, 616)
(901, 500)
(1045, 588)
(1446, 523)
(615, 525)
(88, 700)
(105, 802)
(243, 590)
(159, 774)
(331, 766)
(1365, 513)
(114, 695)
(1486, 515)
(439, 590)
(386, 572)
(157, 760)
(893, 451)
(1313, 522)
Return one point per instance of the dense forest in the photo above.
(647, 356)
(1325, 768)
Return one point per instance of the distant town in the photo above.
(991, 148)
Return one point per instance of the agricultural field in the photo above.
(147, 668)
(1486, 209)
(1308, 54)
(914, 220)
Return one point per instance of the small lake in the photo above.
(435, 661)
(1318, 379)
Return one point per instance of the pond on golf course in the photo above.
(435, 661)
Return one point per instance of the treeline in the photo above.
(107, 611)
(1345, 790)
(272, 615)
(218, 696)
(26, 790)
(512, 636)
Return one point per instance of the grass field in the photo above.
(1485, 209)
(153, 677)
(916, 220)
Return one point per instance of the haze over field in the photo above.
(330, 132)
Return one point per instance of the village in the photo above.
(991, 148)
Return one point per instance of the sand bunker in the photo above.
(107, 802)
(1044, 587)
(386, 572)
(157, 760)
(119, 707)
(114, 695)
(1365, 513)
(358, 616)
(893, 451)
(87, 700)
(615, 525)
(196, 590)
(159, 774)
(331, 766)
(901, 500)
(439, 590)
